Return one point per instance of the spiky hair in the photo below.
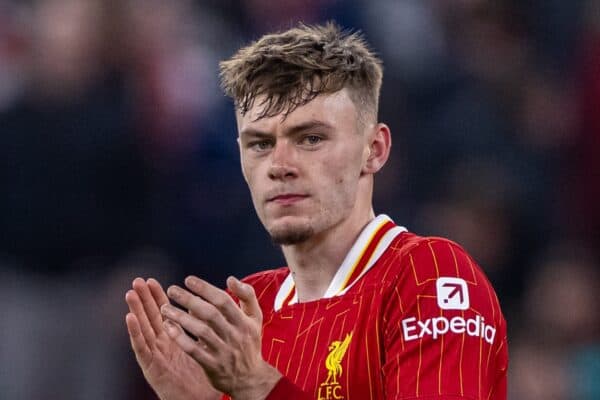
(289, 69)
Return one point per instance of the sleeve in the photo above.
(444, 336)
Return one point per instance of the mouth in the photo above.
(287, 198)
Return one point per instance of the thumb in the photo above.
(248, 301)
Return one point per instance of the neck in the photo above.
(315, 262)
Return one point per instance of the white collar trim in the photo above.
(340, 284)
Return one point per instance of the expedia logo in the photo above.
(435, 327)
(452, 293)
(331, 388)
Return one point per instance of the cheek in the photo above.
(250, 170)
(343, 171)
(334, 169)
(250, 175)
(342, 180)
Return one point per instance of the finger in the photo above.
(160, 297)
(201, 309)
(217, 297)
(197, 350)
(136, 338)
(248, 301)
(194, 326)
(137, 308)
(150, 305)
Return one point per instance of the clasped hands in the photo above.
(225, 355)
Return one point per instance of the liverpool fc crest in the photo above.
(330, 388)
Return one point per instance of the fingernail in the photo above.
(173, 292)
(138, 281)
(192, 281)
(165, 309)
(235, 281)
(153, 281)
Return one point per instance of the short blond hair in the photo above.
(289, 69)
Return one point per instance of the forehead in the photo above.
(335, 109)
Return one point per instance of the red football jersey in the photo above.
(405, 317)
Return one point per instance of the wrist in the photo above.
(259, 385)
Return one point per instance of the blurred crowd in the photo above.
(118, 159)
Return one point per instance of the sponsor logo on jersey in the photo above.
(331, 389)
(437, 326)
(452, 293)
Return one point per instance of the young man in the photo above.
(365, 309)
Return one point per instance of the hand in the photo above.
(229, 337)
(172, 373)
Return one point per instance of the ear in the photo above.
(378, 150)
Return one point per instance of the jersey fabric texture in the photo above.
(405, 317)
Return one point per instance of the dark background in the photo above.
(118, 159)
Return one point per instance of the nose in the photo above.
(283, 162)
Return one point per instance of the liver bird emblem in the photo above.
(333, 362)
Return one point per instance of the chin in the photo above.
(289, 233)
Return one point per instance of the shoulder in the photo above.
(430, 257)
(439, 271)
(267, 275)
(266, 283)
(442, 316)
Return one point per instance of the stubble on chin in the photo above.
(290, 236)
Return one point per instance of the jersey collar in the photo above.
(370, 245)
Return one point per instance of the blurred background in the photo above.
(118, 158)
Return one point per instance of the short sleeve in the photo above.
(444, 335)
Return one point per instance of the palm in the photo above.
(173, 373)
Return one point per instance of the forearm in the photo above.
(259, 385)
(182, 390)
(283, 389)
(195, 396)
(212, 396)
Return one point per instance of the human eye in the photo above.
(260, 145)
(311, 140)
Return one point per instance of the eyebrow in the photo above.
(295, 129)
(308, 126)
